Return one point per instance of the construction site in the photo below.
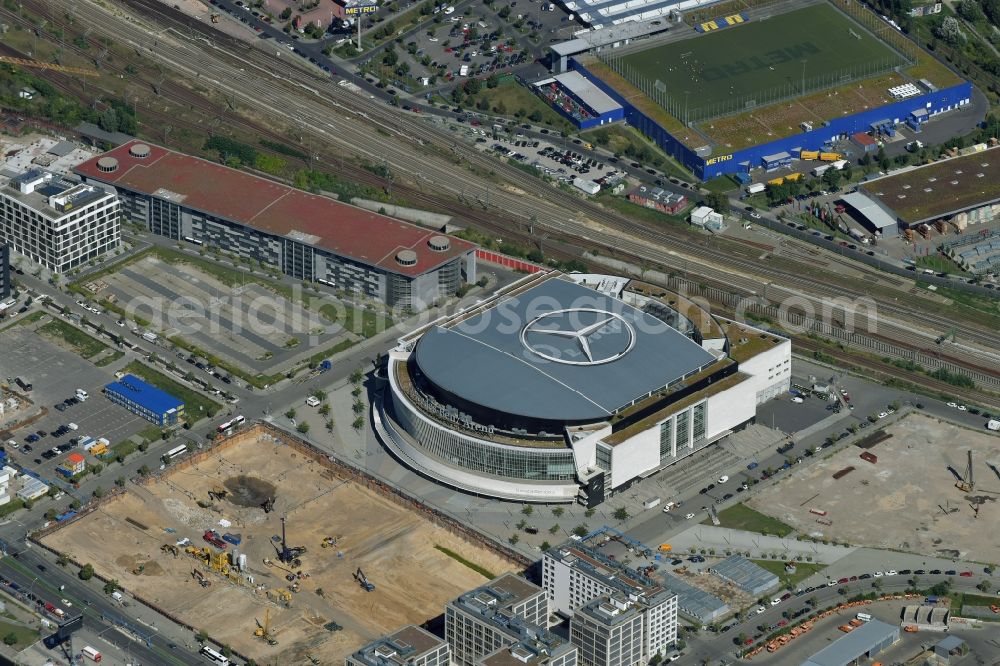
(275, 551)
(920, 485)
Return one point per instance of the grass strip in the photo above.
(472, 565)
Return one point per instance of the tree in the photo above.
(970, 10)
(950, 30)
(144, 470)
(580, 530)
(590, 512)
(558, 511)
(358, 423)
(319, 394)
(201, 636)
(120, 482)
(290, 414)
(357, 376)
(285, 14)
(527, 509)
(621, 513)
(513, 539)
(111, 586)
(831, 177)
(86, 572)
(984, 586)
(98, 492)
(302, 427)
(545, 546)
(324, 409)
(554, 529)
(10, 638)
(718, 202)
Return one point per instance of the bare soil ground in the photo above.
(391, 544)
(907, 500)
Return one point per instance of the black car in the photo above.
(864, 576)
(905, 572)
(935, 572)
(48, 455)
(950, 572)
(727, 496)
(61, 407)
(26, 448)
(919, 572)
(42, 433)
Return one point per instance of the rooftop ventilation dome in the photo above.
(107, 164)
(139, 150)
(439, 243)
(406, 258)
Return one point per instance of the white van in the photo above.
(864, 617)
(312, 401)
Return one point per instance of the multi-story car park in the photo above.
(553, 391)
(56, 223)
(307, 236)
(4, 271)
(575, 576)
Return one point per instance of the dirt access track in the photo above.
(907, 500)
(392, 543)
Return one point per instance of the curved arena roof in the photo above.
(559, 352)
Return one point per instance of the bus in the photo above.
(215, 656)
(176, 451)
(236, 421)
(23, 383)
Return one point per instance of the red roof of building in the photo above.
(74, 458)
(272, 207)
(863, 139)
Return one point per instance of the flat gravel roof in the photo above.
(558, 351)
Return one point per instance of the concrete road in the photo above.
(141, 632)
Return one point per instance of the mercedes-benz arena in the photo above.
(566, 388)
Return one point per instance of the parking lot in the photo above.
(907, 496)
(55, 374)
(248, 326)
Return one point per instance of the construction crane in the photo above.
(288, 554)
(363, 581)
(65, 69)
(967, 484)
(263, 631)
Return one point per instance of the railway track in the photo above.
(879, 369)
(400, 138)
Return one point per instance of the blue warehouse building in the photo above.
(913, 111)
(145, 400)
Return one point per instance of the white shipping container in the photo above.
(652, 502)
(756, 188)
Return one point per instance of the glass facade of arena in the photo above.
(479, 455)
(685, 429)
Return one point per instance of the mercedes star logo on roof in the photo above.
(608, 326)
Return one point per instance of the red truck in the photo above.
(212, 537)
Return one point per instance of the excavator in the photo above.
(200, 577)
(170, 548)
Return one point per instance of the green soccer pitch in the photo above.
(761, 60)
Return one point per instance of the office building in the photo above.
(147, 401)
(307, 236)
(505, 611)
(56, 223)
(608, 631)
(577, 573)
(409, 646)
